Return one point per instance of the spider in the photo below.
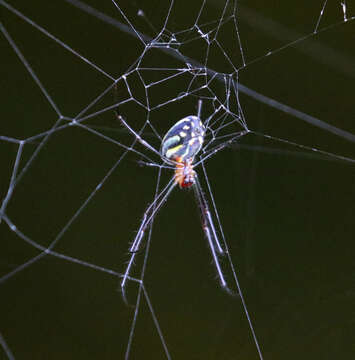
(179, 146)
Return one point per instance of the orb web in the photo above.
(277, 166)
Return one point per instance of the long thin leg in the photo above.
(240, 293)
(211, 152)
(138, 137)
(199, 108)
(206, 214)
(210, 231)
(148, 216)
(141, 140)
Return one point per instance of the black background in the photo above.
(287, 214)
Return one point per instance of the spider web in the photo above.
(73, 194)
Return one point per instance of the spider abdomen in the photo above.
(183, 140)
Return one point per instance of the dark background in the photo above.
(287, 214)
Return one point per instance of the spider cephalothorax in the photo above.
(184, 173)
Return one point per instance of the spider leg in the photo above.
(206, 215)
(207, 154)
(151, 164)
(138, 137)
(199, 108)
(148, 218)
(210, 231)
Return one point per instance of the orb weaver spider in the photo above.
(179, 146)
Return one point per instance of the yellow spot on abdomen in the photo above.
(173, 150)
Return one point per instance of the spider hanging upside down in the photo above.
(179, 147)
